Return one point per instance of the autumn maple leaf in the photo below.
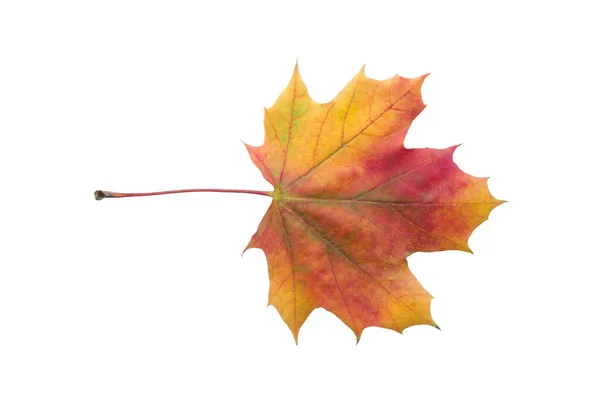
(351, 203)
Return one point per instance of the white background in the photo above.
(149, 298)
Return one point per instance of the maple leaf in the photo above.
(351, 203)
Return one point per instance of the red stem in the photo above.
(101, 194)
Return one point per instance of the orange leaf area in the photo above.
(351, 203)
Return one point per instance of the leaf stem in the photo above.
(101, 194)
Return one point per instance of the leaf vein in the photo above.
(303, 176)
(350, 260)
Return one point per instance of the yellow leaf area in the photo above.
(351, 203)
